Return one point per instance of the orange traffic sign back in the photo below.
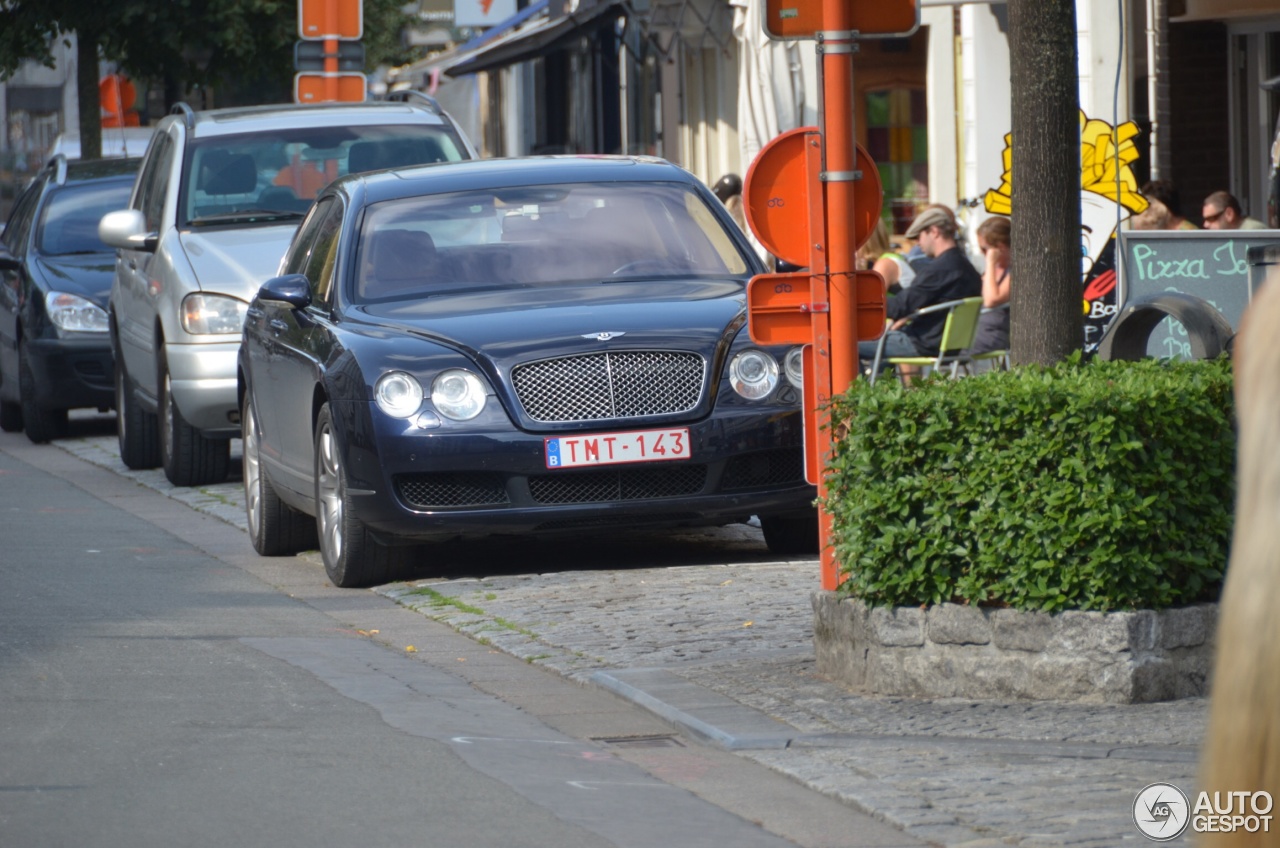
(316, 88)
(779, 187)
(330, 19)
(788, 19)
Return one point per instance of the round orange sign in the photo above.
(779, 186)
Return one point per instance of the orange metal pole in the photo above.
(839, 154)
(330, 50)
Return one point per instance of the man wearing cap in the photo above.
(949, 276)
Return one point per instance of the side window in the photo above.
(154, 182)
(296, 259)
(320, 266)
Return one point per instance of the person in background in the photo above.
(993, 324)
(878, 255)
(1165, 209)
(950, 276)
(729, 190)
(1222, 212)
(916, 256)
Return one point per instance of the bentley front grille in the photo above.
(604, 386)
(627, 484)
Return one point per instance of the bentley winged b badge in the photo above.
(605, 336)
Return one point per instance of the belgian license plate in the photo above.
(615, 448)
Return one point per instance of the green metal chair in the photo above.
(998, 358)
(957, 337)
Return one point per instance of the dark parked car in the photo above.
(55, 353)
(547, 345)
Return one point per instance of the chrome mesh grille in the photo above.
(601, 386)
(626, 484)
(446, 490)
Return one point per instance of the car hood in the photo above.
(513, 325)
(85, 274)
(236, 261)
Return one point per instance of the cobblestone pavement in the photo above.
(734, 620)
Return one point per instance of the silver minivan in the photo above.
(217, 200)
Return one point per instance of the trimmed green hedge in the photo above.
(1097, 486)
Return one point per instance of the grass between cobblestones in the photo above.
(439, 601)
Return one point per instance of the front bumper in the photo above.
(417, 484)
(72, 373)
(203, 380)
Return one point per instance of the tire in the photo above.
(189, 459)
(10, 416)
(352, 557)
(41, 424)
(275, 529)
(136, 429)
(791, 534)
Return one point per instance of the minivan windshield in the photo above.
(275, 174)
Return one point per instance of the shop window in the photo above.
(898, 141)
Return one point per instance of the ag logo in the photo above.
(1161, 812)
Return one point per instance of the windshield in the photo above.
(541, 235)
(274, 175)
(69, 221)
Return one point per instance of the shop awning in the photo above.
(535, 40)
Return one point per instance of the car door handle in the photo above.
(253, 312)
(133, 264)
(277, 324)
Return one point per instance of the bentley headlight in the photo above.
(793, 365)
(398, 394)
(72, 312)
(212, 314)
(753, 374)
(458, 394)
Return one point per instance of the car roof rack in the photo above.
(409, 95)
(188, 114)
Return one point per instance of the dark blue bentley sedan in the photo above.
(523, 346)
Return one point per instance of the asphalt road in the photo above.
(160, 684)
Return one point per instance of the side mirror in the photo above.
(293, 289)
(126, 229)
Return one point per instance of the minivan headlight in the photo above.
(753, 374)
(72, 312)
(458, 394)
(212, 314)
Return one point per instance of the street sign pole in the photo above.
(331, 50)
(813, 197)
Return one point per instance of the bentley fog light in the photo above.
(458, 394)
(398, 394)
(72, 312)
(793, 365)
(753, 374)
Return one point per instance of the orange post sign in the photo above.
(319, 19)
(869, 18)
(328, 88)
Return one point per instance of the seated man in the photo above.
(1223, 212)
(948, 276)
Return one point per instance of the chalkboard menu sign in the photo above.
(1209, 264)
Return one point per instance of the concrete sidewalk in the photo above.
(723, 649)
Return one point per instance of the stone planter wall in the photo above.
(970, 652)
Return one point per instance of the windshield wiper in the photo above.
(247, 216)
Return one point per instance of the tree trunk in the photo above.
(87, 91)
(1046, 318)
